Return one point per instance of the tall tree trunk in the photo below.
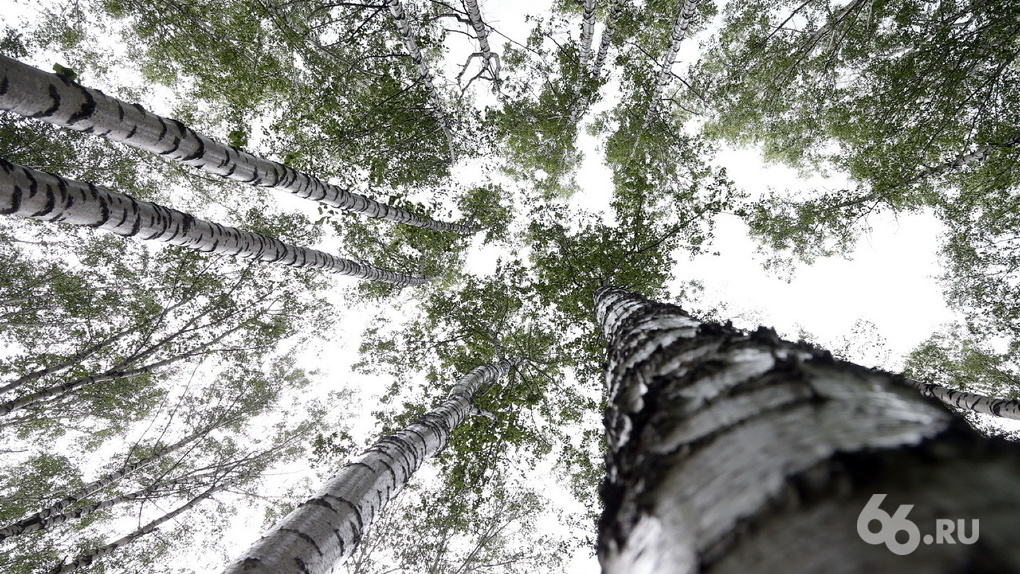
(679, 32)
(324, 529)
(615, 11)
(740, 452)
(28, 193)
(95, 486)
(34, 93)
(70, 361)
(587, 32)
(1007, 409)
(428, 80)
(482, 34)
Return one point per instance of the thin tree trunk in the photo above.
(324, 529)
(28, 193)
(91, 557)
(408, 35)
(76, 358)
(679, 32)
(740, 452)
(34, 93)
(607, 36)
(35, 522)
(964, 160)
(104, 481)
(1007, 409)
(587, 32)
(482, 34)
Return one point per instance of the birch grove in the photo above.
(33, 93)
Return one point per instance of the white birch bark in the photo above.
(33, 194)
(409, 36)
(677, 35)
(616, 10)
(733, 452)
(587, 32)
(490, 58)
(326, 528)
(963, 160)
(1004, 408)
(34, 93)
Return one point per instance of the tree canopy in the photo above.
(139, 383)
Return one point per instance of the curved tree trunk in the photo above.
(409, 35)
(739, 452)
(28, 193)
(34, 93)
(324, 529)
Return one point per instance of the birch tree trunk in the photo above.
(428, 80)
(482, 34)
(1007, 409)
(587, 32)
(57, 508)
(679, 32)
(33, 194)
(326, 528)
(616, 10)
(740, 452)
(34, 93)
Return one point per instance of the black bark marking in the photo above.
(120, 111)
(304, 537)
(15, 202)
(163, 129)
(301, 565)
(85, 111)
(137, 225)
(176, 145)
(65, 198)
(131, 134)
(321, 501)
(5, 85)
(104, 206)
(198, 152)
(55, 96)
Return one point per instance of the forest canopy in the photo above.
(482, 171)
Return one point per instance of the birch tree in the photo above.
(31, 92)
(328, 526)
(731, 451)
(29, 193)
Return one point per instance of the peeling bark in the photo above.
(324, 529)
(33, 194)
(37, 94)
(740, 452)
